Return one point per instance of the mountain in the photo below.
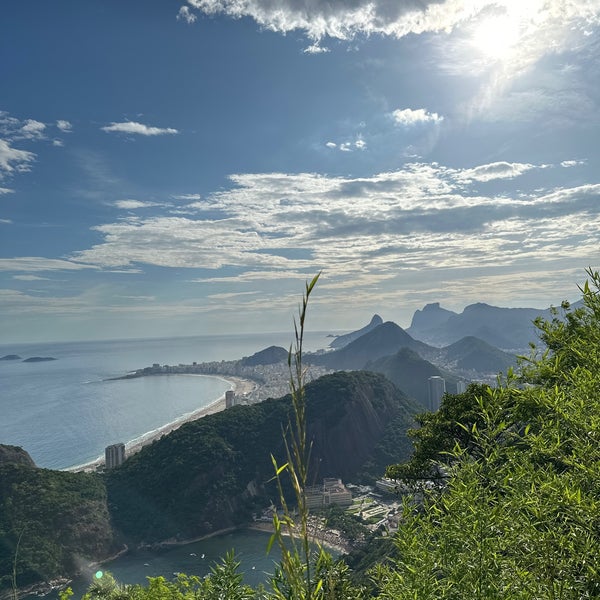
(409, 372)
(505, 328)
(473, 354)
(386, 339)
(216, 472)
(269, 356)
(432, 316)
(343, 340)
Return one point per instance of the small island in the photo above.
(10, 357)
(35, 359)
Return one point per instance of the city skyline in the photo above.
(183, 169)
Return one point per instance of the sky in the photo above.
(178, 168)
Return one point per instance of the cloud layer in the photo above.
(363, 230)
(134, 128)
(344, 19)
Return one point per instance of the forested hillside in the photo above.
(214, 473)
(52, 522)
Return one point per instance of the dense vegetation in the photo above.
(210, 474)
(215, 472)
(51, 522)
(519, 515)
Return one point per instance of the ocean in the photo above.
(64, 412)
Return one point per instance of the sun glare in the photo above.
(496, 36)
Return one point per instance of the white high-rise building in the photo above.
(461, 387)
(437, 388)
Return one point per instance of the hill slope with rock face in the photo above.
(409, 372)
(214, 473)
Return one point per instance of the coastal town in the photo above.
(265, 380)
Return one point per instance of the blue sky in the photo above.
(182, 168)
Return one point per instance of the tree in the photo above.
(519, 516)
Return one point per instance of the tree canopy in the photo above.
(519, 516)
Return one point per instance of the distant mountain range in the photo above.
(505, 328)
(466, 357)
(407, 362)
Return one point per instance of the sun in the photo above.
(496, 36)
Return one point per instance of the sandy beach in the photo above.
(240, 386)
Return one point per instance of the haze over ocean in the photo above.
(64, 413)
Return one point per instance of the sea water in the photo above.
(249, 548)
(66, 411)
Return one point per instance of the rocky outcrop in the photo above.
(15, 455)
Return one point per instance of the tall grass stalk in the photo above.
(298, 580)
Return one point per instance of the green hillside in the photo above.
(215, 472)
(409, 372)
(61, 520)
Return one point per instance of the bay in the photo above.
(196, 558)
(64, 412)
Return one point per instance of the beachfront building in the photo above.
(114, 455)
(229, 398)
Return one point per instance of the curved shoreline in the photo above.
(239, 385)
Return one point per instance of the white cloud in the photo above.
(410, 220)
(572, 163)
(130, 204)
(132, 127)
(6, 221)
(497, 170)
(186, 15)
(187, 197)
(344, 19)
(315, 49)
(33, 129)
(64, 126)
(408, 117)
(58, 143)
(39, 263)
(30, 278)
(358, 144)
(12, 159)
(6, 191)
